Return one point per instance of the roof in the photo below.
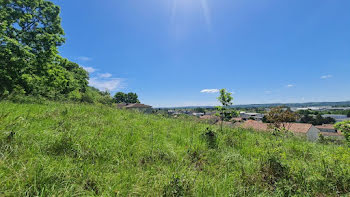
(252, 124)
(298, 127)
(133, 105)
(137, 105)
(208, 117)
(331, 133)
(237, 119)
(326, 126)
(293, 127)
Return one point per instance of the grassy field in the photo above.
(86, 150)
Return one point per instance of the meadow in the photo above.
(57, 149)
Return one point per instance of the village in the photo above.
(255, 118)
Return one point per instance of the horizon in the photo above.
(252, 104)
(178, 53)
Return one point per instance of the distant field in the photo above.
(86, 150)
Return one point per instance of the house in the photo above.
(198, 114)
(135, 106)
(252, 124)
(310, 131)
(248, 116)
(327, 128)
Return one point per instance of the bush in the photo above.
(210, 138)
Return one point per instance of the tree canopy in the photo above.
(278, 116)
(30, 34)
(130, 97)
(344, 127)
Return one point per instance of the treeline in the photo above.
(314, 118)
(30, 65)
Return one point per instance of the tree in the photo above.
(319, 120)
(344, 127)
(120, 97)
(329, 120)
(307, 119)
(279, 116)
(30, 34)
(132, 98)
(225, 99)
(199, 110)
(348, 114)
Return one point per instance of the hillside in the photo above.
(71, 149)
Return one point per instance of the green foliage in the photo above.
(278, 116)
(210, 138)
(344, 127)
(30, 34)
(199, 110)
(121, 97)
(96, 150)
(93, 95)
(318, 120)
(225, 99)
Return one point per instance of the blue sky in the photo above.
(179, 52)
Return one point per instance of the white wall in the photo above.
(313, 134)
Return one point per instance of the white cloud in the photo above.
(105, 75)
(89, 69)
(84, 58)
(110, 84)
(290, 86)
(268, 92)
(210, 91)
(326, 76)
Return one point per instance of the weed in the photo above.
(210, 138)
(177, 187)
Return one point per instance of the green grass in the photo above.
(86, 150)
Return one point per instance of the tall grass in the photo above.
(78, 150)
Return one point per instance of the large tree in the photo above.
(280, 116)
(30, 33)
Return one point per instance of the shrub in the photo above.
(210, 138)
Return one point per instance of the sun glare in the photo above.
(187, 7)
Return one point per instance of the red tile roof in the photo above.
(298, 127)
(252, 124)
(293, 127)
(332, 134)
(137, 105)
(326, 126)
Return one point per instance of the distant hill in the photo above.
(310, 104)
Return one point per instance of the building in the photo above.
(329, 128)
(198, 114)
(310, 131)
(135, 106)
(250, 116)
(317, 108)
